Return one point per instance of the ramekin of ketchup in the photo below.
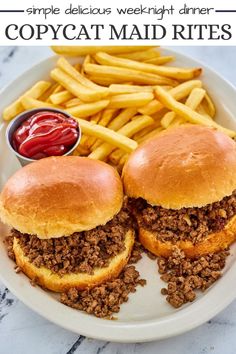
(40, 133)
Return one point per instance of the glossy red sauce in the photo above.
(45, 134)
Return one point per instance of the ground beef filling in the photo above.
(184, 276)
(192, 224)
(80, 252)
(104, 300)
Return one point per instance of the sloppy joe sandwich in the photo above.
(182, 190)
(69, 226)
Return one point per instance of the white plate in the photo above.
(146, 316)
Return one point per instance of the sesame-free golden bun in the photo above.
(187, 166)
(57, 196)
(52, 281)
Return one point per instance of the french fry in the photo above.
(58, 88)
(30, 103)
(167, 119)
(84, 50)
(73, 102)
(61, 97)
(176, 122)
(140, 55)
(87, 60)
(16, 107)
(209, 105)
(120, 89)
(118, 122)
(96, 117)
(63, 64)
(201, 109)
(87, 109)
(160, 60)
(123, 118)
(82, 151)
(115, 156)
(45, 96)
(195, 98)
(149, 135)
(193, 101)
(166, 71)
(124, 74)
(179, 92)
(128, 130)
(77, 66)
(103, 118)
(107, 116)
(104, 80)
(138, 99)
(71, 85)
(187, 113)
(122, 162)
(107, 135)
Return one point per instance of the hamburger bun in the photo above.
(57, 196)
(52, 281)
(187, 166)
(214, 242)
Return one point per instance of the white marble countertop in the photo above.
(24, 332)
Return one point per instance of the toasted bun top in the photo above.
(58, 196)
(187, 166)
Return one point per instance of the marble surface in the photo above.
(24, 332)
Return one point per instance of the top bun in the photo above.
(188, 166)
(58, 196)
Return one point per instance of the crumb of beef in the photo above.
(187, 223)
(184, 276)
(105, 299)
(136, 253)
(80, 252)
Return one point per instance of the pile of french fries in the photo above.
(121, 96)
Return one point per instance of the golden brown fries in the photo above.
(195, 98)
(123, 74)
(73, 102)
(87, 109)
(209, 105)
(179, 92)
(120, 89)
(172, 72)
(16, 107)
(140, 55)
(111, 137)
(63, 64)
(160, 60)
(31, 103)
(78, 90)
(187, 113)
(61, 97)
(138, 99)
(81, 51)
(121, 96)
(128, 130)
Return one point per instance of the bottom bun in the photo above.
(49, 280)
(212, 243)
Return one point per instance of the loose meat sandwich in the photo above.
(182, 190)
(68, 225)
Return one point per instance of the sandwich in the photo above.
(181, 186)
(68, 224)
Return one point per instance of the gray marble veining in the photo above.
(24, 332)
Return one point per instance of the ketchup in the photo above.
(45, 134)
